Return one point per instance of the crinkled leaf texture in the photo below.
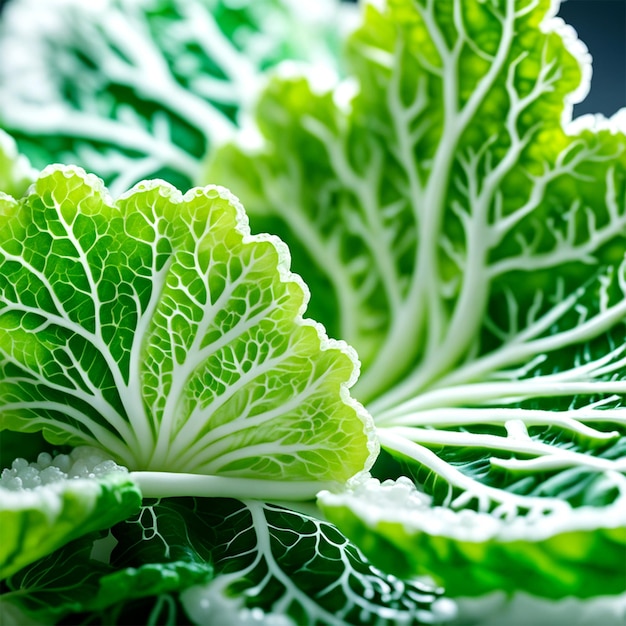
(36, 521)
(134, 89)
(468, 240)
(159, 330)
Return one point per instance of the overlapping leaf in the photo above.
(288, 565)
(447, 177)
(81, 493)
(133, 89)
(158, 329)
(271, 566)
(566, 552)
(469, 242)
(71, 584)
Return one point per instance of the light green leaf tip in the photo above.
(158, 329)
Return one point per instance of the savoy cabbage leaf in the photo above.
(469, 241)
(160, 331)
(134, 89)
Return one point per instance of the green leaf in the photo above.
(134, 90)
(46, 504)
(164, 609)
(272, 565)
(160, 331)
(57, 584)
(525, 448)
(16, 172)
(469, 241)
(568, 552)
(273, 561)
(70, 582)
(445, 179)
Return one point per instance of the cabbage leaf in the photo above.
(293, 567)
(573, 552)
(135, 89)
(454, 226)
(469, 241)
(71, 582)
(158, 330)
(45, 505)
(236, 562)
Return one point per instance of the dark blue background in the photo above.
(601, 24)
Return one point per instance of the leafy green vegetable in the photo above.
(420, 210)
(469, 241)
(270, 563)
(70, 581)
(473, 552)
(159, 330)
(139, 89)
(46, 504)
(454, 227)
(281, 562)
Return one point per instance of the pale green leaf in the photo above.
(468, 240)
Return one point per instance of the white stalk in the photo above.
(168, 484)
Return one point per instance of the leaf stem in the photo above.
(470, 488)
(169, 484)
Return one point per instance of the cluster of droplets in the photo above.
(82, 462)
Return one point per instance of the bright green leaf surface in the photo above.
(138, 89)
(159, 330)
(468, 241)
(553, 555)
(61, 505)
